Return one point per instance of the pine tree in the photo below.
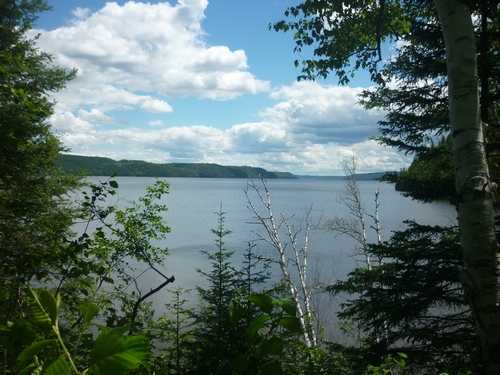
(175, 331)
(413, 301)
(215, 340)
(35, 217)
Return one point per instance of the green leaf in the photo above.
(113, 184)
(291, 323)
(240, 362)
(288, 306)
(115, 354)
(273, 346)
(89, 311)
(26, 356)
(221, 366)
(54, 363)
(263, 302)
(58, 367)
(44, 307)
(236, 311)
(253, 330)
(272, 368)
(23, 330)
(401, 361)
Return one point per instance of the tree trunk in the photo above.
(480, 276)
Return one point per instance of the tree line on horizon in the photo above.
(100, 166)
(423, 301)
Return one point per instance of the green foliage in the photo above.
(263, 338)
(218, 333)
(390, 366)
(174, 331)
(215, 340)
(430, 176)
(413, 301)
(274, 348)
(98, 166)
(44, 307)
(120, 248)
(417, 109)
(117, 354)
(111, 352)
(345, 37)
(91, 283)
(32, 190)
(35, 217)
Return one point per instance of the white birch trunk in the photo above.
(297, 294)
(475, 206)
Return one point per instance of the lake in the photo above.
(194, 203)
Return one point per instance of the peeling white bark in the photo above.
(480, 249)
(300, 294)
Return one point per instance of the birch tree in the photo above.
(348, 35)
(480, 250)
(355, 224)
(292, 256)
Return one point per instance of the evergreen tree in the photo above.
(413, 301)
(430, 176)
(253, 273)
(175, 334)
(35, 216)
(215, 340)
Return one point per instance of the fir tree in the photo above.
(215, 340)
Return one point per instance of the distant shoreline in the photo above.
(101, 166)
(359, 176)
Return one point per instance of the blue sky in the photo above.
(199, 81)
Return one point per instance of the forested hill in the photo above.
(98, 166)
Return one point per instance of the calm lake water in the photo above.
(194, 203)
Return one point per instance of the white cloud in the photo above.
(258, 144)
(96, 115)
(147, 48)
(66, 122)
(81, 13)
(323, 114)
(106, 97)
(154, 105)
(139, 56)
(156, 123)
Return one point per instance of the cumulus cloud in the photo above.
(148, 48)
(156, 123)
(323, 114)
(81, 13)
(154, 105)
(261, 137)
(66, 122)
(106, 97)
(263, 144)
(96, 115)
(141, 56)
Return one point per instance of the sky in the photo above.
(200, 81)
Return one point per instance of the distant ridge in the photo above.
(99, 166)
